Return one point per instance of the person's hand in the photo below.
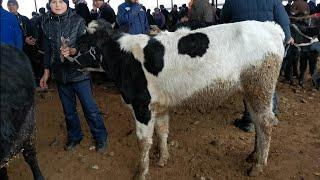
(290, 41)
(44, 79)
(66, 52)
(30, 41)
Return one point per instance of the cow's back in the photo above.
(232, 49)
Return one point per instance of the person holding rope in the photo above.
(259, 10)
(62, 28)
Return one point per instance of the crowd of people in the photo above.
(50, 36)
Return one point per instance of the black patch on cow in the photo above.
(153, 54)
(127, 73)
(194, 45)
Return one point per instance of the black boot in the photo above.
(101, 146)
(71, 144)
(245, 123)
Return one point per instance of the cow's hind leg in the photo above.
(4, 173)
(259, 85)
(162, 129)
(144, 134)
(30, 156)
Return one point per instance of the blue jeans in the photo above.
(82, 90)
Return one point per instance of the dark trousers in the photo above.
(247, 116)
(82, 90)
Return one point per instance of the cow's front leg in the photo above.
(30, 156)
(144, 134)
(162, 130)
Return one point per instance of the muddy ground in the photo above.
(201, 144)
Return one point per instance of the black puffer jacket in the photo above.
(69, 25)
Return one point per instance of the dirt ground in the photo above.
(201, 144)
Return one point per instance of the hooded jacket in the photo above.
(132, 18)
(10, 30)
(68, 25)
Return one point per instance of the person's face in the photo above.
(97, 3)
(13, 8)
(74, 1)
(58, 7)
(134, 1)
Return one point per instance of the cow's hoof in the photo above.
(256, 170)
(252, 158)
(162, 162)
(140, 176)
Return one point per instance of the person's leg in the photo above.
(91, 112)
(69, 104)
(245, 123)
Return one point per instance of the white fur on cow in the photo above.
(198, 67)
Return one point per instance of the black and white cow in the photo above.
(196, 68)
(17, 122)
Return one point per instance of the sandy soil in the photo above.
(201, 144)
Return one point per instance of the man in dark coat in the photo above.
(164, 11)
(82, 9)
(259, 10)
(175, 14)
(24, 23)
(105, 11)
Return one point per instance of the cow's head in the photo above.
(90, 44)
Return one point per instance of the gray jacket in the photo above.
(202, 11)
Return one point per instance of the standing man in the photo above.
(259, 10)
(82, 9)
(175, 14)
(24, 23)
(132, 18)
(105, 11)
(164, 11)
(201, 11)
(10, 31)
